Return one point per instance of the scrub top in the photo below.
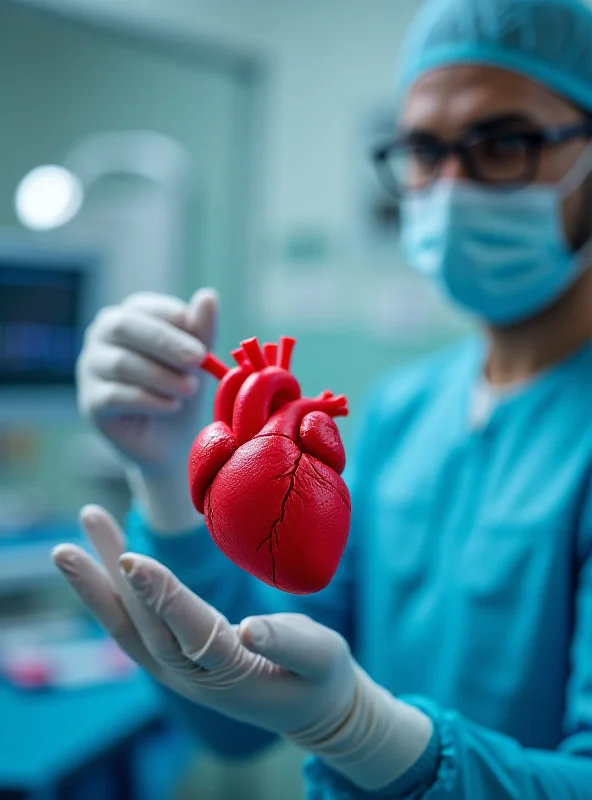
(466, 585)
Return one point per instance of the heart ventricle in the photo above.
(280, 514)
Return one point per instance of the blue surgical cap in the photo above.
(548, 41)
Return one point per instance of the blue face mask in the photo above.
(500, 254)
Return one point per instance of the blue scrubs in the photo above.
(466, 587)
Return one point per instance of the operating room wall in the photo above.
(330, 60)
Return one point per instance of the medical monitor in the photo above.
(47, 298)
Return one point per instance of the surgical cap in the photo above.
(548, 41)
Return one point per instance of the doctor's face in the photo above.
(450, 102)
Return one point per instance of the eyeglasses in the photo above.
(508, 159)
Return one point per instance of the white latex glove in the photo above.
(283, 672)
(139, 381)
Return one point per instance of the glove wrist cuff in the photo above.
(377, 742)
(164, 500)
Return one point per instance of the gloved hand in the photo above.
(283, 672)
(139, 381)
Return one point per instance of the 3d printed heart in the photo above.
(267, 472)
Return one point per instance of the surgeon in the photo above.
(451, 656)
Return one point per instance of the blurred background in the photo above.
(162, 145)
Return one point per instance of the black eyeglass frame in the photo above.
(535, 140)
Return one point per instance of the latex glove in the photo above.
(283, 672)
(139, 382)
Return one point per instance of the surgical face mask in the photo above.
(501, 254)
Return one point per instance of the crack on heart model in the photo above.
(274, 528)
(262, 428)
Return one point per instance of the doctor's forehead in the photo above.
(448, 100)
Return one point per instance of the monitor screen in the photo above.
(41, 322)
(48, 295)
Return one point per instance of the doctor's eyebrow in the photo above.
(495, 123)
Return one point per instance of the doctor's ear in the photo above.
(576, 212)
(580, 230)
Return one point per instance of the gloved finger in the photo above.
(203, 315)
(150, 336)
(198, 317)
(96, 591)
(295, 642)
(119, 398)
(109, 541)
(165, 306)
(205, 637)
(119, 365)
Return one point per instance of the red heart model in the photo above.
(267, 472)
